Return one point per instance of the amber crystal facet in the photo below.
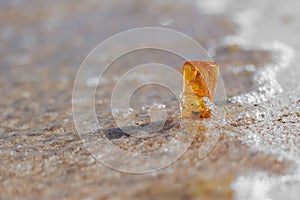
(199, 81)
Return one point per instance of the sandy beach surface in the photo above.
(256, 151)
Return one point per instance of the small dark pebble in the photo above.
(115, 133)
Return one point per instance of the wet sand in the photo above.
(41, 153)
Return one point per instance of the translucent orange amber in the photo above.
(199, 81)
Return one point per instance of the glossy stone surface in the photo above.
(199, 81)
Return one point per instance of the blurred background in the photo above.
(256, 43)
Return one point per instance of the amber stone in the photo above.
(199, 81)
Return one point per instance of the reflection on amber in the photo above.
(199, 81)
